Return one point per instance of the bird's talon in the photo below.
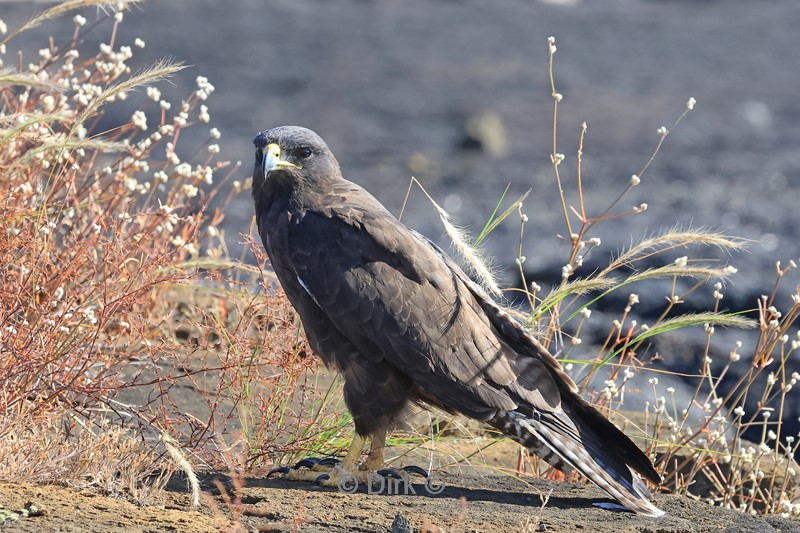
(321, 478)
(328, 461)
(309, 462)
(389, 472)
(279, 470)
(414, 469)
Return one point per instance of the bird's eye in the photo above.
(303, 152)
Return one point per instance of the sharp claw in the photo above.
(279, 470)
(308, 463)
(414, 469)
(321, 478)
(328, 461)
(388, 472)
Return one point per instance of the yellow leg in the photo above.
(347, 473)
(375, 460)
(350, 461)
(349, 464)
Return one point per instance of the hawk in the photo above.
(396, 316)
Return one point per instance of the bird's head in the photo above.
(292, 155)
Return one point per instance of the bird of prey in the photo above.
(398, 318)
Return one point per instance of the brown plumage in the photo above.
(402, 323)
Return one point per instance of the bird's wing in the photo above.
(398, 299)
(520, 339)
(578, 417)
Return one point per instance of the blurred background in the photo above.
(457, 94)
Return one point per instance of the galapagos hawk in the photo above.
(402, 323)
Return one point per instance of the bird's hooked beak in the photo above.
(273, 161)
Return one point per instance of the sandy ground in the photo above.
(468, 503)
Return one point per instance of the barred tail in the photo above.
(607, 457)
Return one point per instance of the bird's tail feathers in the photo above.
(557, 440)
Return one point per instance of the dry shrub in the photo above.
(697, 442)
(107, 457)
(115, 285)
